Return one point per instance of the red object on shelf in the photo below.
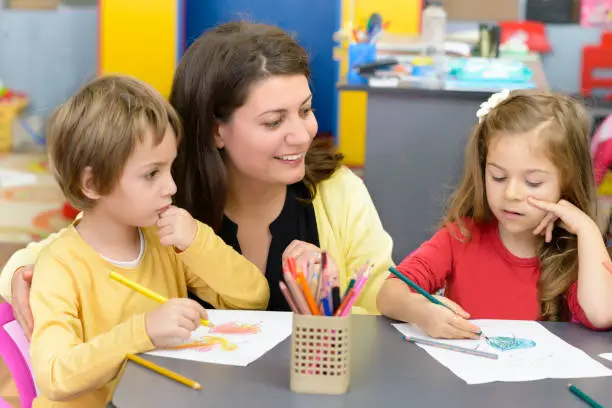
(69, 212)
(594, 57)
(535, 31)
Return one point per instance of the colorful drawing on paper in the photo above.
(503, 343)
(236, 337)
(208, 343)
(236, 328)
(526, 350)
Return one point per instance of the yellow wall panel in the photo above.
(352, 126)
(404, 15)
(140, 38)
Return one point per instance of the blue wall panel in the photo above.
(312, 22)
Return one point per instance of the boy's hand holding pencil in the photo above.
(172, 323)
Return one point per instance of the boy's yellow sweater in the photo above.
(86, 323)
(349, 229)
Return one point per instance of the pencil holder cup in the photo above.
(359, 54)
(320, 354)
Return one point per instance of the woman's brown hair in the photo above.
(212, 80)
(564, 128)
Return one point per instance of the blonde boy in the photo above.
(111, 148)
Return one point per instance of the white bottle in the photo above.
(433, 35)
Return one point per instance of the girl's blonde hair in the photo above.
(563, 126)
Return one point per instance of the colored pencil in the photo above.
(450, 347)
(298, 296)
(335, 292)
(292, 265)
(580, 394)
(344, 302)
(350, 286)
(301, 280)
(326, 308)
(147, 292)
(319, 286)
(288, 297)
(357, 291)
(323, 260)
(417, 288)
(314, 292)
(164, 371)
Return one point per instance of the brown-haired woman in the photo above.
(247, 166)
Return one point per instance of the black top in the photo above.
(296, 221)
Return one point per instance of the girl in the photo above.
(519, 240)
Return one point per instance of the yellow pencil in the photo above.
(164, 371)
(147, 292)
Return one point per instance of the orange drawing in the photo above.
(207, 343)
(236, 328)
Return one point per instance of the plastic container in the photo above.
(359, 54)
(433, 35)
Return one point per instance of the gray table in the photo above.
(386, 372)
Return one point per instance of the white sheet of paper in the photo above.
(12, 178)
(551, 357)
(274, 327)
(607, 356)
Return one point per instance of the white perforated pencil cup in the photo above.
(320, 354)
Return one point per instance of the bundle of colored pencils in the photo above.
(316, 293)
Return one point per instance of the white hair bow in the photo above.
(491, 103)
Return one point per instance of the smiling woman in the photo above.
(249, 166)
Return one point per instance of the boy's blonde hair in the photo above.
(564, 127)
(99, 127)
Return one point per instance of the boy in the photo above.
(111, 147)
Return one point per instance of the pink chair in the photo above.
(14, 349)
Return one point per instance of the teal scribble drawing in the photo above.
(510, 343)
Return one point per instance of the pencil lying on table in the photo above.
(164, 371)
(451, 347)
(583, 396)
(147, 292)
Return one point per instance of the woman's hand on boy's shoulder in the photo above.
(563, 213)
(176, 227)
(20, 302)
